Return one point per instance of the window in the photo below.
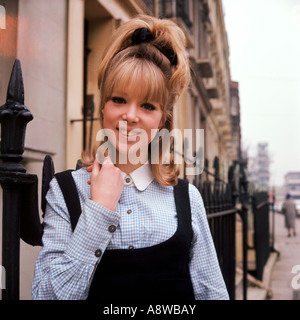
(175, 9)
(234, 106)
(202, 21)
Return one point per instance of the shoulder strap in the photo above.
(183, 206)
(181, 193)
(70, 193)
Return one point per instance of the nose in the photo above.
(132, 113)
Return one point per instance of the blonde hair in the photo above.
(125, 65)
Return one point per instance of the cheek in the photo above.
(154, 124)
(107, 116)
(160, 123)
(157, 123)
(105, 121)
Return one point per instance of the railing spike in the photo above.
(15, 90)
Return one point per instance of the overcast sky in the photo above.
(264, 41)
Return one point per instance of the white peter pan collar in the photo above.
(141, 177)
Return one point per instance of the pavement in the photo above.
(283, 283)
(279, 282)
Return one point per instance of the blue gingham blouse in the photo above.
(145, 216)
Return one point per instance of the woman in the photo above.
(140, 235)
(290, 212)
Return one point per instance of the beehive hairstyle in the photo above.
(158, 64)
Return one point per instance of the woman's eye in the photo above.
(149, 106)
(118, 100)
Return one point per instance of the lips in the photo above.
(129, 134)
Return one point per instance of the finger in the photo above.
(95, 167)
(107, 160)
(104, 159)
(89, 168)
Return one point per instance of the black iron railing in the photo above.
(223, 201)
(221, 215)
(20, 203)
(219, 201)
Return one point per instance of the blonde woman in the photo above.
(140, 233)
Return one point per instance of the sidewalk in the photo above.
(281, 275)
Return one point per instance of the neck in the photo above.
(128, 166)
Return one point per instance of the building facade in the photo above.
(60, 43)
(235, 119)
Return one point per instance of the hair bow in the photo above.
(141, 35)
(144, 35)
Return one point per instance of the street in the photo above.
(282, 278)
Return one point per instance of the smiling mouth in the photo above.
(131, 133)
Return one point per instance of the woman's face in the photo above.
(131, 118)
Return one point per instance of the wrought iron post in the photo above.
(273, 220)
(14, 117)
(244, 199)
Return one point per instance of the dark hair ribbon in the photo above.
(141, 35)
(144, 35)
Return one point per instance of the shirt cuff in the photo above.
(95, 228)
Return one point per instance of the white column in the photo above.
(74, 81)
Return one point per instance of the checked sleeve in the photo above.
(206, 276)
(66, 262)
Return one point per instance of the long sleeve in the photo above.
(205, 272)
(65, 265)
(67, 261)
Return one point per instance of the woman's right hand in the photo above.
(106, 184)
